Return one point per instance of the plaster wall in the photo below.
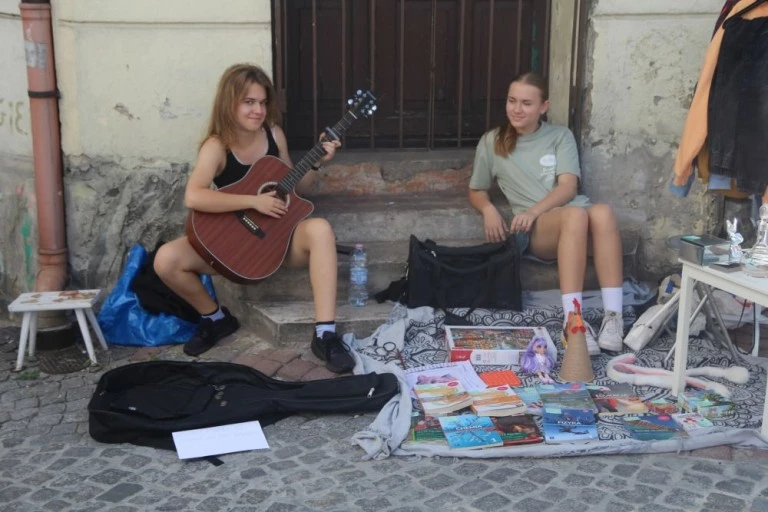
(137, 81)
(642, 63)
(18, 233)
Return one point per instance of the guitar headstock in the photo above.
(362, 104)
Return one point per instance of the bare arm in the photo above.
(564, 191)
(198, 194)
(493, 222)
(305, 185)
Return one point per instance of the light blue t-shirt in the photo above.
(530, 172)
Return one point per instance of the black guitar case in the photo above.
(144, 403)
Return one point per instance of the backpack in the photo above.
(144, 403)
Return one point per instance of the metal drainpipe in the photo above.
(46, 145)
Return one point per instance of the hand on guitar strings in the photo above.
(269, 204)
(329, 146)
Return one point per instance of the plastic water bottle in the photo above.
(358, 277)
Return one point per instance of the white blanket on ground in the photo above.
(383, 352)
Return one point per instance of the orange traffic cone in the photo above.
(576, 366)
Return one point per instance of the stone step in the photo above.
(292, 323)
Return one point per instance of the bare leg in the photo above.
(179, 267)
(562, 233)
(606, 245)
(314, 244)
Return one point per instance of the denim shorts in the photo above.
(523, 240)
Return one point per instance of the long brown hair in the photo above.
(506, 137)
(232, 87)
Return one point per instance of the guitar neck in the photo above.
(304, 165)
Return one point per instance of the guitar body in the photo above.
(246, 247)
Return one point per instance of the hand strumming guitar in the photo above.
(269, 204)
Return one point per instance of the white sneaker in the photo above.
(611, 335)
(592, 347)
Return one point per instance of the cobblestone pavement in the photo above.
(48, 462)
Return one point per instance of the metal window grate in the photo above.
(440, 68)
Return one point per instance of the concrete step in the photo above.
(290, 323)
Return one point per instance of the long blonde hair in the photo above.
(506, 136)
(232, 87)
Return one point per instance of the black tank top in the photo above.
(234, 170)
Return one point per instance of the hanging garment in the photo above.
(738, 104)
(695, 131)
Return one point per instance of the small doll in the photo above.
(536, 360)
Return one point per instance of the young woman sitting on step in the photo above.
(536, 166)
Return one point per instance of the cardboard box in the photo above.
(704, 249)
(493, 345)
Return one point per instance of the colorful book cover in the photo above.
(661, 406)
(469, 431)
(462, 371)
(497, 401)
(425, 428)
(692, 422)
(653, 427)
(569, 425)
(707, 403)
(493, 345)
(616, 399)
(516, 430)
(500, 378)
(572, 395)
(442, 398)
(531, 398)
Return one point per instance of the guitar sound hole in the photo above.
(272, 186)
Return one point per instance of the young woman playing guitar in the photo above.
(242, 129)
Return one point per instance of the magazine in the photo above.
(497, 401)
(470, 431)
(442, 398)
(531, 398)
(569, 425)
(653, 427)
(445, 372)
(572, 395)
(516, 430)
(615, 399)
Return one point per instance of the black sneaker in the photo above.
(332, 350)
(209, 333)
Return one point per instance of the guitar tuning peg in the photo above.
(373, 108)
(359, 92)
(349, 101)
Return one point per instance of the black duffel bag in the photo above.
(478, 276)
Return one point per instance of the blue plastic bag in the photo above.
(124, 322)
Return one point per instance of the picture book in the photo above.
(497, 401)
(516, 430)
(500, 378)
(692, 422)
(707, 403)
(445, 372)
(442, 398)
(653, 427)
(615, 399)
(469, 431)
(493, 345)
(568, 425)
(573, 395)
(531, 398)
(661, 406)
(425, 428)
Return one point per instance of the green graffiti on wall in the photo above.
(26, 235)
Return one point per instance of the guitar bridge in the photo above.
(250, 225)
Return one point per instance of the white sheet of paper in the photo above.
(202, 442)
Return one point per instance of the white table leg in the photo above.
(86, 334)
(32, 333)
(96, 328)
(683, 329)
(756, 344)
(23, 341)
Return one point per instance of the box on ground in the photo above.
(706, 403)
(493, 345)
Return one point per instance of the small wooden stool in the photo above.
(79, 301)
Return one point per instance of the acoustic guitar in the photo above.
(246, 246)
